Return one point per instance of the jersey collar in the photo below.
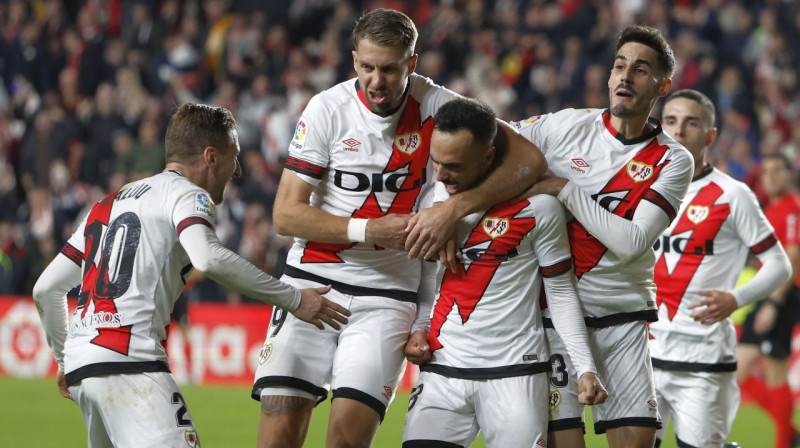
(631, 141)
(363, 98)
(707, 169)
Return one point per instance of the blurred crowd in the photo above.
(87, 86)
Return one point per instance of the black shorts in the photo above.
(180, 311)
(777, 343)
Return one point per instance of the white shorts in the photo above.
(134, 410)
(363, 361)
(449, 412)
(622, 357)
(702, 405)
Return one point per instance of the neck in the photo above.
(194, 175)
(700, 164)
(630, 127)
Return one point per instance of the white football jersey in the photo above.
(704, 249)
(134, 268)
(618, 173)
(486, 321)
(365, 166)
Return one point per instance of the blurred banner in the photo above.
(225, 342)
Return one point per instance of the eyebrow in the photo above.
(635, 61)
(450, 165)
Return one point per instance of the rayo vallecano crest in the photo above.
(639, 171)
(495, 227)
(697, 213)
(408, 143)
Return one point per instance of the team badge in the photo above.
(639, 171)
(408, 143)
(697, 213)
(204, 204)
(495, 227)
(191, 438)
(555, 399)
(266, 351)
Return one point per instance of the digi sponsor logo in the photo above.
(697, 213)
(387, 392)
(204, 204)
(580, 166)
(191, 438)
(266, 351)
(408, 143)
(494, 226)
(555, 399)
(351, 144)
(639, 171)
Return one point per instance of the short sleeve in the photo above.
(309, 150)
(75, 246)
(672, 184)
(193, 206)
(752, 225)
(536, 129)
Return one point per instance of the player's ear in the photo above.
(412, 63)
(664, 87)
(490, 154)
(210, 156)
(712, 135)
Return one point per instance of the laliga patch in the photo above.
(204, 204)
(408, 143)
(266, 351)
(639, 171)
(299, 138)
(697, 213)
(495, 227)
(555, 399)
(191, 438)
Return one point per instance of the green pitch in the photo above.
(34, 415)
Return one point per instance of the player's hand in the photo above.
(417, 349)
(590, 390)
(61, 384)
(765, 318)
(316, 309)
(388, 231)
(718, 306)
(449, 255)
(551, 185)
(429, 230)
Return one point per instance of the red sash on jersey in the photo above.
(411, 148)
(503, 232)
(703, 220)
(96, 287)
(627, 188)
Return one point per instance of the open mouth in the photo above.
(377, 97)
(451, 188)
(623, 92)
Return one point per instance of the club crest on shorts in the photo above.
(191, 438)
(639, 171)
(266, 351)
(408, 143)
(555, 399)
(494, 226)
(697, 213)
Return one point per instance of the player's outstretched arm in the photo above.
(417, 349)
(294, 216)
(232, 271)
(316, 309)
(520, 163)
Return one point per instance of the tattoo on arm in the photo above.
(275, 405)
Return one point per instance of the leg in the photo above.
(780, 406)
(568, 438)
(97, 435)
(746, 357)
(284, 421)
(704, 406)
(631, 437)
(366, 368)
(665, 389)
(440, 413)
(505, 405)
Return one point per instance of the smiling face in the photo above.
(225, 168)
(459, 160)
(635, 82)
(382, 74)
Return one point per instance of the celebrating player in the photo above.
(131, 256)
(486, 337)
(693, 343)
(358, 166)
(623, 180)
(768, 329)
